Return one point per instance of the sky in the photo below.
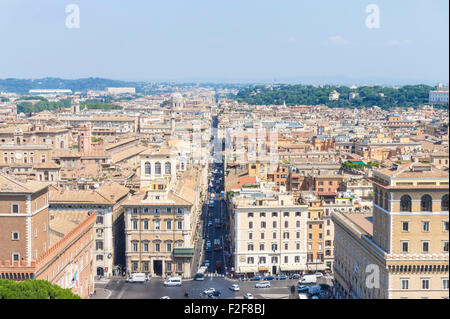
(289, 41)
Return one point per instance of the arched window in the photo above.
(405, 203)
(148, 169)
(168, 168)
(158, 168)
(444, 203)
(426, 203)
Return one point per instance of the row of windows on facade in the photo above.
(274, 247)
(157, 211)
(15, 207)
(15, 235)
(156, 224)
(426, 202)
(286, 259)
(286, 224)
(286, 235)
(425, 246)
(425, 283)
(145, 266)
(167, 168)
(157, 247)
(275, 214)
(425, 226)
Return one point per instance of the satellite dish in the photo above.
(96, 185)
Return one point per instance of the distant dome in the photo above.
(176, 100)
(176, 96)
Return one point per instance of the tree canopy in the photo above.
(33, 289)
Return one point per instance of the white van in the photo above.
(137, 277)
(308, 279)
(174, 281)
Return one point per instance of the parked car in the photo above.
(248, 296)
(294, 276)
(216, 293)
(302, 296)
(210, 223)
(209, 291)
(308, 279)
(314, 291)
(301, 289)
(269, 278)
(318, 274)
(207, 263)
(256, 278)
(165, 297)
(282, 277)
(263, 284)
(235, 287)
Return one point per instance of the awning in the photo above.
(263, 269)
(293, 268)
(183, 252)
(248, 269)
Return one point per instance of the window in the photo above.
(250, 260)
(405, 246)
(405, 284)
(250, 247)
(169, 224)
(250, 225)
(425, 246)
(286, 224)
(262, 260)
(286, 246)
(134, 211)
(135, 224)
(250, 235)
(262, 235)
(286, 235)
(309, 246)
(99, 245)
(297, 246)
(157, 225)
(146, 224)
(15, 208)
(15, 235)
(169, 210)
(298, 214)
(146, 247)
(99, 219)
(297, 223)
(274, 235)
(297, 259)
(148, 169)
(168, 168)
(445, 226)
(425, 283)
(426, 203)
(15, 256)
(405, 203)
(310, 235)
(180, 211)
(261, 246)
(250, 214)
(262, 214)
(405, 226)
(158, 168)
(169, 247)
(426, 226)
(99, 257)
(445, 246)
(297, 235)
(180, 224)
(286, 214)
(157, 247)
(320, 226)
(157, 211)
(445, 284)
(310, 226)
(274, 224)
(263, 224)
(274, 214)
(444, 203)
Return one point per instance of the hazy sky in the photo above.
(232, 40)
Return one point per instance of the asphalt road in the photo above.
(154, 289)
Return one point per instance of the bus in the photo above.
(200, 275)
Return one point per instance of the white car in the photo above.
(174, 281)
(248, 296)
(165, 297)
(263, 284)
(207, 263)
(319, 274)
(209, 291)
(235, 287)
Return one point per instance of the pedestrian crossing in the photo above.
(211, 275)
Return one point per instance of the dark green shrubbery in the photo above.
(33, 289)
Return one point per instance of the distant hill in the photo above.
(22, 86)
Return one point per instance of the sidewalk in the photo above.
(101, 293)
